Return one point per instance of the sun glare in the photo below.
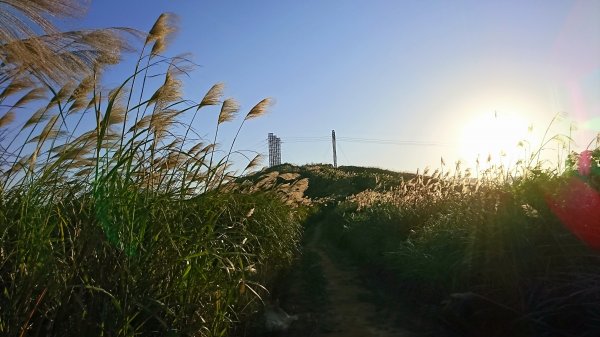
(494, 134)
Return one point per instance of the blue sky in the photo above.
(438, 73)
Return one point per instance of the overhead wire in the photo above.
(344, 154)
(361, 140)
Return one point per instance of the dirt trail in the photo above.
(347, 315)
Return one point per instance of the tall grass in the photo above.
(117, 219)
(521, 240)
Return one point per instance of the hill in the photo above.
(327, 182)
(495, 255)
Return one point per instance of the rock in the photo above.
(276, 319)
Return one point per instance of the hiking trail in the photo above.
(347, 313)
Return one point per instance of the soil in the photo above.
(348, 311)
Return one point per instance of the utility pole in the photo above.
(334, 151)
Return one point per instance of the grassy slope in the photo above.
(498, 256)
(327, 182)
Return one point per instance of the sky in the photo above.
(402, 83)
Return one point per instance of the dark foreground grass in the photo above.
(487, 257)
(182, 268)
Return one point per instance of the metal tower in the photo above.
(274, 150)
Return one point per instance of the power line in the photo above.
(274, 144)
(344, 154)
(362, 140)
(388, 141)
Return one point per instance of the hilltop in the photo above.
(328, 183)
(397, 254)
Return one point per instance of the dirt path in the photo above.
(346, 315)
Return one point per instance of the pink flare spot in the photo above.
(577, 205)
(584, 164)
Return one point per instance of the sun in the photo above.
(498, 135)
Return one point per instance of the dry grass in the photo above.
(118, 220)
(497, 235)
(54, 57)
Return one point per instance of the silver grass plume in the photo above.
(228, 110)
(213, 96)
(259, 109)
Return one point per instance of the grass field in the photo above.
(118, 219)
(506, 256)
